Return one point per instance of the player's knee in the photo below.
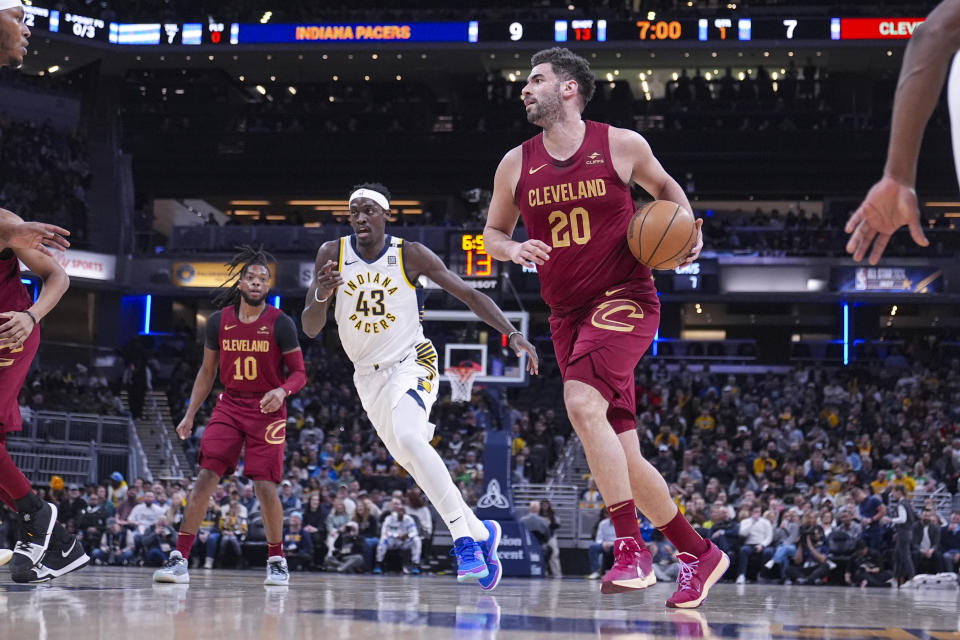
(581, 411)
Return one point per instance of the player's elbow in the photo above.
(940, 35)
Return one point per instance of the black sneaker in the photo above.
(56, 562)
(35, 530)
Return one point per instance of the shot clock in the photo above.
(467, 256)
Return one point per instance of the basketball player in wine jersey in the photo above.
(45, 550)
(252, 342)
(892, 202)
(571, 184)
(372, 276)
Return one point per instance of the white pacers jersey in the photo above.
(953, 100)
(377, 310)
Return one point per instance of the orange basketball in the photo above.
(661, 234)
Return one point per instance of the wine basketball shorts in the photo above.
(237, 421)
(600, 345)
(14, 365)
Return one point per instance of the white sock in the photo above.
(477, 529)
(427, 468)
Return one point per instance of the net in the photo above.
(461, 381)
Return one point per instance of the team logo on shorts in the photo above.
(276, 432)
(603, 316)
(9, 362)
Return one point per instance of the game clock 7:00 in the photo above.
(467, 256)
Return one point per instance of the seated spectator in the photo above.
(314, 523)
(786, 536)
(91, 522)
(349, 551)
(950, 543)
(288, 499)
(116, 545)
(297, 544)
(157, 543)
(249, 499)
(866, 568)
(537, 524)
(842, 541)
(208, 536)
(591, 498)
(233, 530)
(600, 552)
(399, 532)
(337, 517)
(756, 533)
(927, 557)
(145, 515)
(810, 563)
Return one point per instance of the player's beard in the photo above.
(546, 110)
(250, 300)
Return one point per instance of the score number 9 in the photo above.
(516, 31)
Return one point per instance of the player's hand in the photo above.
(328, 279)
(185, 428)
(17, 328)
(530, 253)
(519, 344)
(697, 248)
(888, 206)
(272, 400)
(36, 235)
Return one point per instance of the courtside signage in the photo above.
(878, 28)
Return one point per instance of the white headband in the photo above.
(376, 196)
(9, 4)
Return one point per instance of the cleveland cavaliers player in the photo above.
(19, 338)
(892, 202)
(373, 277)
(252, 342)
(571, 184)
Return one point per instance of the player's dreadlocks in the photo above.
(247, 256)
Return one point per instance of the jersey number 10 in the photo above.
(246, 368)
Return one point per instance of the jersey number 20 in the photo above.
(578, 221)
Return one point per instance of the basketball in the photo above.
(661, 234)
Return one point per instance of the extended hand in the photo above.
(530, 252)
(35, 235)
(888, 206)
(328, 279)
(697, 248)
(185, 428)
(519, 344)
(272, 400)
(16, 329)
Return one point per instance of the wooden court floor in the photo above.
(123, 604)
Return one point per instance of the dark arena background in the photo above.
(784, 376)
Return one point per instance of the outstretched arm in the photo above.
(422, 261)
(892, 202)
(17, 234)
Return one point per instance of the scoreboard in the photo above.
(773, 30)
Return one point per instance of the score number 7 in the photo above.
(790, 25)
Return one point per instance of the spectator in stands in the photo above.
(157, 543)
(71, 508)
(786, 536)
(553, 564)
(233, 530)
(417, 507)
(314, 523)
(950, 542)
(287, 497)
(126, 507)
(872, 511)
(91, 522)
(208, 536)
(810, 564)
(117, 489)
(116, 545)
(600, 551)
(536, 523)
(399, 532)
(722, 529)
(866, 568)
(591, 498)
(146, 514)
(297, 543)
(927, 557)
(665, 463)
(756, 533)
(349, 553)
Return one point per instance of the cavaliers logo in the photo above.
(276, 432)
(603, 317)
(9, 362)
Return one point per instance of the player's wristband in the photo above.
(32, 317)
(513, 333)
(318, 299)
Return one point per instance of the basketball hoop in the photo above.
(461, 379)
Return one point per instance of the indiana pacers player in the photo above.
(373, 276)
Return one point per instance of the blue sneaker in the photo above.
(470, 561)
(377, 570)
(489, 547)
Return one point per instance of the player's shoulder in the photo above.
(625, 137)
(215, 316)
(328, 248)
(512, 158)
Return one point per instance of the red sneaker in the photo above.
(697, 575)
(632, 568)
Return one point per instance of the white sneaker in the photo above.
(208, 563)
(175, 570)
(741, 579)
(594, 576)
(278, 575)
(769, 565)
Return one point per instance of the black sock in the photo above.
(29, 503)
